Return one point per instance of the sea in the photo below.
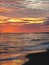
(14, 46)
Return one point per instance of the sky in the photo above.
(24, 16)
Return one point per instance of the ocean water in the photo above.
(14, 46)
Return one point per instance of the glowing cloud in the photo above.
(4, 19)
(14, 20)
(24, 8)
(34, 20)
(27, 20)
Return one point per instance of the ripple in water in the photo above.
(14, 47)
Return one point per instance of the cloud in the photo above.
(3, 9)
(36, 0)
(4, 19)
(43, 0)
(24, 8)
(47, 22)
(36, 5)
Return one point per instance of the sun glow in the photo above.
(14, 20)
(34, 20)
(27, 20)
(4, 19)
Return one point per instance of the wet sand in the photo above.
(22, 59)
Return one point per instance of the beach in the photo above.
(15, 48)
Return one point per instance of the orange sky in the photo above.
(17, 16)
(20, 25)
(5, 28)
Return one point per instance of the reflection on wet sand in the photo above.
(13, 62)
(19, 61)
